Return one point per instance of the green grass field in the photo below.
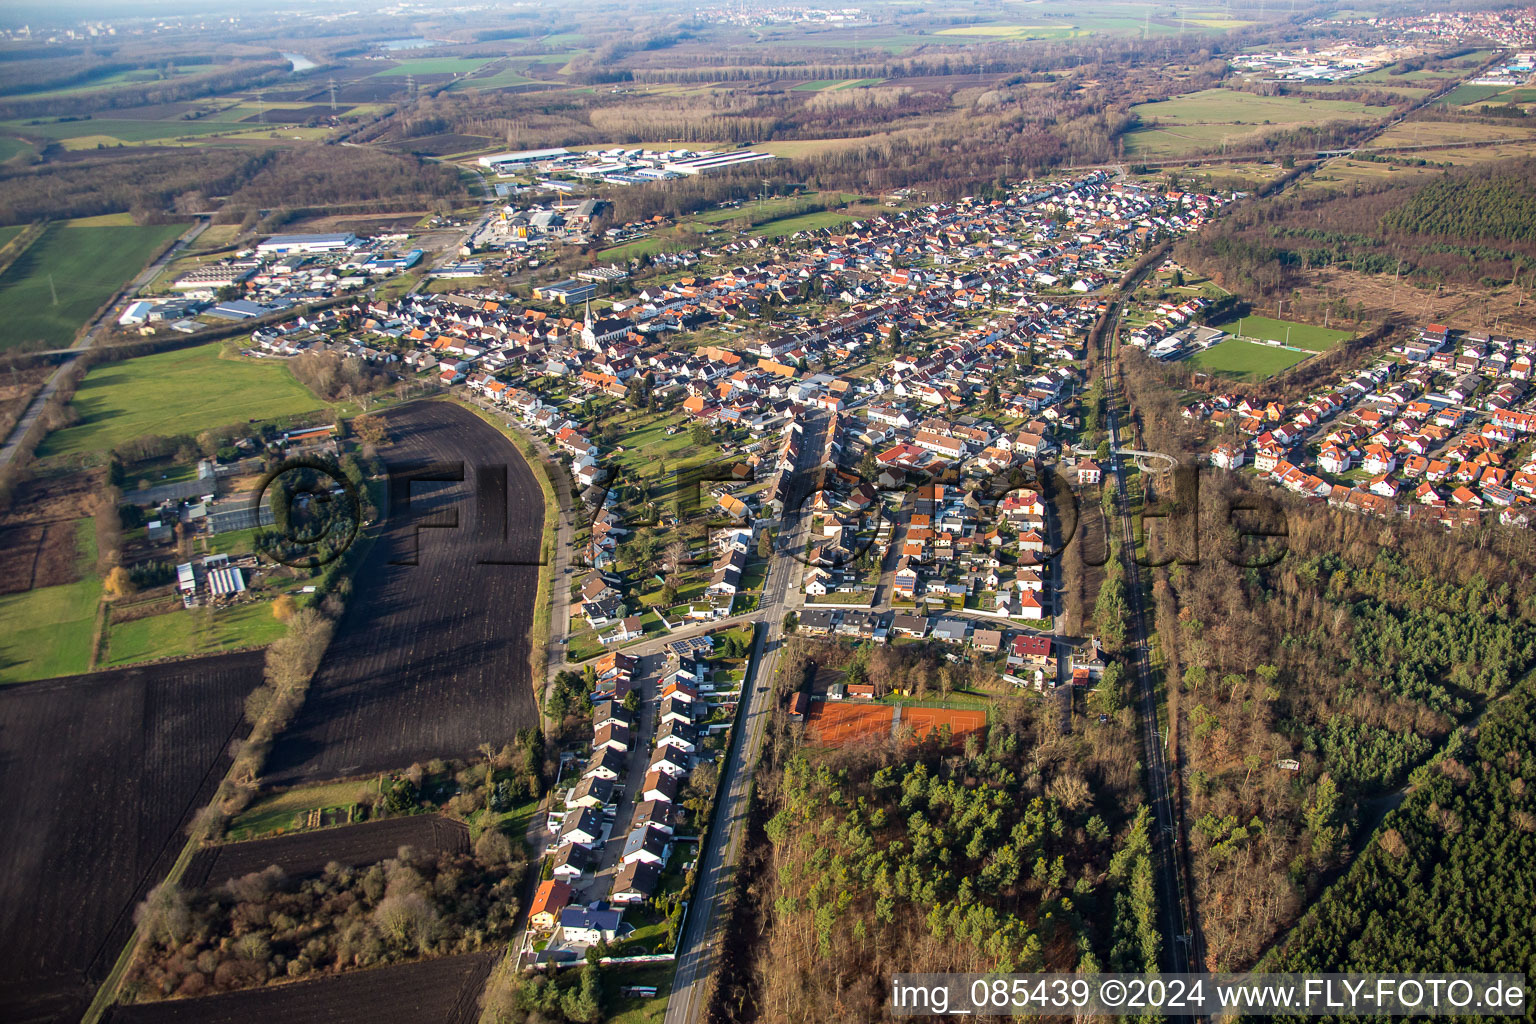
(1246, 360)
(84, 267)
(180, 392)
(10, 147)
(503, 79)
(1464, 94)
(183, 632)
(804, 222)
(48, 631)
(124, 130)
(133, 76)
(435, 66)
(1200, 120)
(1228, 106)
(8, 233)
(1307, 336)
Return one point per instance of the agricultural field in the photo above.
(1426, 133)
(1464, 95)
(1246, 360)
(180, 392)
(443, 991)
(506, 78)
(432, 658)
(11, 148)
(132, 76)
(182, 632)
(830, 84)
(307, 853)
(1202, 120)
(435, 66)
(101, 773)
(1287, 332)
(89, 132)
(48, 631)
(61, 280)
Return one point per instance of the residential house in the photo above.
(549, 900)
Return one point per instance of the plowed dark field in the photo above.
(99, 775)
(431, 658)
(307, 853)
(443, 991)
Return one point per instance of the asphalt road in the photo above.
(701, 934)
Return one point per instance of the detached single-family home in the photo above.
(647, 845)
(588, 925)
(571, 861)
(584, 828)
(660, 787)
(636, 882)
(549, 900)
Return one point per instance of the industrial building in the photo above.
(308, 243)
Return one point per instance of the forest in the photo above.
(1447, 882)
(160, 185)
(1305, 693)
(1470, 226)
(266, 925)
(1019, 848)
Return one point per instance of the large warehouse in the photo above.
(308, 243)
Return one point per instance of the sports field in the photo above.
(1246, 360)
(60, 281)
(180, 392)
(835, 723)
(1288, 332)
(925, 721)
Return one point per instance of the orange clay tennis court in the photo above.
(925, 720)
(836, 724)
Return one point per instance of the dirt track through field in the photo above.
(100, 774)
(431, 658)
(441, 991)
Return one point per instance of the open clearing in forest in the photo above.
(101, 773)
(430, 659)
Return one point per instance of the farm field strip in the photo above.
(430, 659)
(441, 991)
(307, 853)
(59, 282)
(101, 772)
